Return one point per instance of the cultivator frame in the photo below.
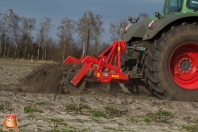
(106, 67)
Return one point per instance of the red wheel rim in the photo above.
(183, 65)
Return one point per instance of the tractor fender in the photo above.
(137, 30)
(166, 22)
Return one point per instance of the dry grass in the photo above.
(29, 61)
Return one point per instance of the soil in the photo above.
(33, 91)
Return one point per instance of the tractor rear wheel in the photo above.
(172, 64)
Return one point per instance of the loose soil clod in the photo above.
(44, 79)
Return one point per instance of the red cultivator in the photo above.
(106, 67)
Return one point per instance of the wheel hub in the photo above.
(183, 66)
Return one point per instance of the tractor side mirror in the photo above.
(130, 18)
(133, 20)
(157, 14)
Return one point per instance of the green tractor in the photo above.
(161, 50)
(169, 59)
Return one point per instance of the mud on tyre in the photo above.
(172, 63)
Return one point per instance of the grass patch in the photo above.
(80, 120)
(40, 103)
(39, 126)
(1, 67)
(62, 130)
(97, 113)
(138, 108)
(72, 99)
(98, 120)
(77, 109)
(120, 124)
(83, 106)
(1, 106)
(23, 95)
(100, 101)
(55, 96)
(84, 130)
(161, 116)
(31, 116)
(147, 119)
(71, 107)
(109, 128)
(194, 106)
(59, 121)
(113, 111)
(39, 129)
(190, 128)
(165, 121)
(31, 110)
(132, 119)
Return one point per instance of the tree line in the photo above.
(17, 40)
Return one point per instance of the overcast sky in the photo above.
(110, 10)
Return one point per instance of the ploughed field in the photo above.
(31, 91)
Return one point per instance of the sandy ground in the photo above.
(24, 91)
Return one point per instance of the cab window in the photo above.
(193, 4)
(172, 6)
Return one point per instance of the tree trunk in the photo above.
(25, 50)
(0, 47)
(45, 52)
(15, 52)
(39, 50)
(38, 53)
(5, 47)
(50, 51)
(18, 51)
(87, 44)
(63, 52)
(8, 50)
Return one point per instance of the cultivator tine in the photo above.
(82, 87)
(124, 89)
(108, 87)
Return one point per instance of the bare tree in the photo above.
(89, 29)
(50, 44)
(117, 29)
(15, 31)
(103, 46)
(7, 17)
(9, 27)
(143, 16)
(43, 34)
(65, 34)
(28, 25)
(1, 33)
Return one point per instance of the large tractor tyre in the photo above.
(172, 64)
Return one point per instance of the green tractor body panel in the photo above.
(137, 30)
(164, 22)
(173, 11)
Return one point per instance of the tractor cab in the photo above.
(172, 6)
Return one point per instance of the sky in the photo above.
(110, 10)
